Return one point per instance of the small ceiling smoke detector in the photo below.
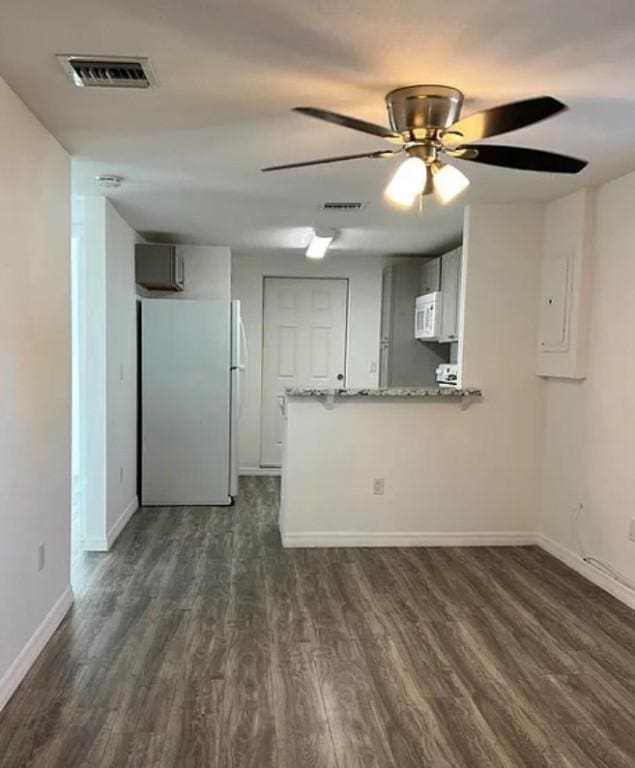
(109, 181)
(108, 71)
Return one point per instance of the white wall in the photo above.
(248, 272)
(589, 444)
(121, 368)
(111, 375)
(93, 525)
(445, 470)
(35, 387)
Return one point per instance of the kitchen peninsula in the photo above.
(418, 466)
(383, 467)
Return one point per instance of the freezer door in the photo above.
(186, 398)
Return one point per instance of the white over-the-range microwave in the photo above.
(428, 316)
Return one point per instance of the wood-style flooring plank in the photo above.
(198, 642)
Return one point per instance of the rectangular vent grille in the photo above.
(108, 72)
(344, 207)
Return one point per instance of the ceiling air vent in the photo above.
(108, 71)
(343, 207)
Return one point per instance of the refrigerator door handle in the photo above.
(235, 412)
(243, 342)
(239, 394)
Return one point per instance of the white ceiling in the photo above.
(230, 70)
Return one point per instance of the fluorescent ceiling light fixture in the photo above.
(449, 182)
(320, 242)
(408, 182)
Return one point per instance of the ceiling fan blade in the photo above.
(520, 158)
(348, 122)
(323, 161)
(507, 117)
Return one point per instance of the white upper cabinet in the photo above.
(450, 290)
(566, 283)
(431, 275)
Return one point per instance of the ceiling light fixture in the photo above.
(426, 123)
(448, 182)
(320, 243)
(408, 182)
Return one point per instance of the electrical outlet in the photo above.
(373, 367)
(378, 486)
(121, 474)
(41, 557)
(631, 531)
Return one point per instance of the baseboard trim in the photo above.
(260, 471)
(405, 539)
(27, 656)
(122, 521)
(576, 563)
(104, 543)
(95, 544)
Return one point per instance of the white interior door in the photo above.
(304, 345)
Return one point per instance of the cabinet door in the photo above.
(431, 275)
(450, 286)
(387, 306)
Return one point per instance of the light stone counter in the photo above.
(443, 393)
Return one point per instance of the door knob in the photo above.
(340, 377)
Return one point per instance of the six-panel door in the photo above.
(304, 345)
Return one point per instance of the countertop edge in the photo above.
(389, 392)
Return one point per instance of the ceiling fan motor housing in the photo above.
(429, 108)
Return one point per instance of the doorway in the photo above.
(304, 345)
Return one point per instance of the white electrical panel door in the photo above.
(565, 294)
(555, 305)
(304, 345)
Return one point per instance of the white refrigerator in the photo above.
(192, 358)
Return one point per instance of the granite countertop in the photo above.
(429, 392)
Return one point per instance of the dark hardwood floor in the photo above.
(199, 641)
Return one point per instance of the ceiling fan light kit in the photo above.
(425, 122)
(449, 182)
(409, 181)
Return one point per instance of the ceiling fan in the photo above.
(424, 122)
